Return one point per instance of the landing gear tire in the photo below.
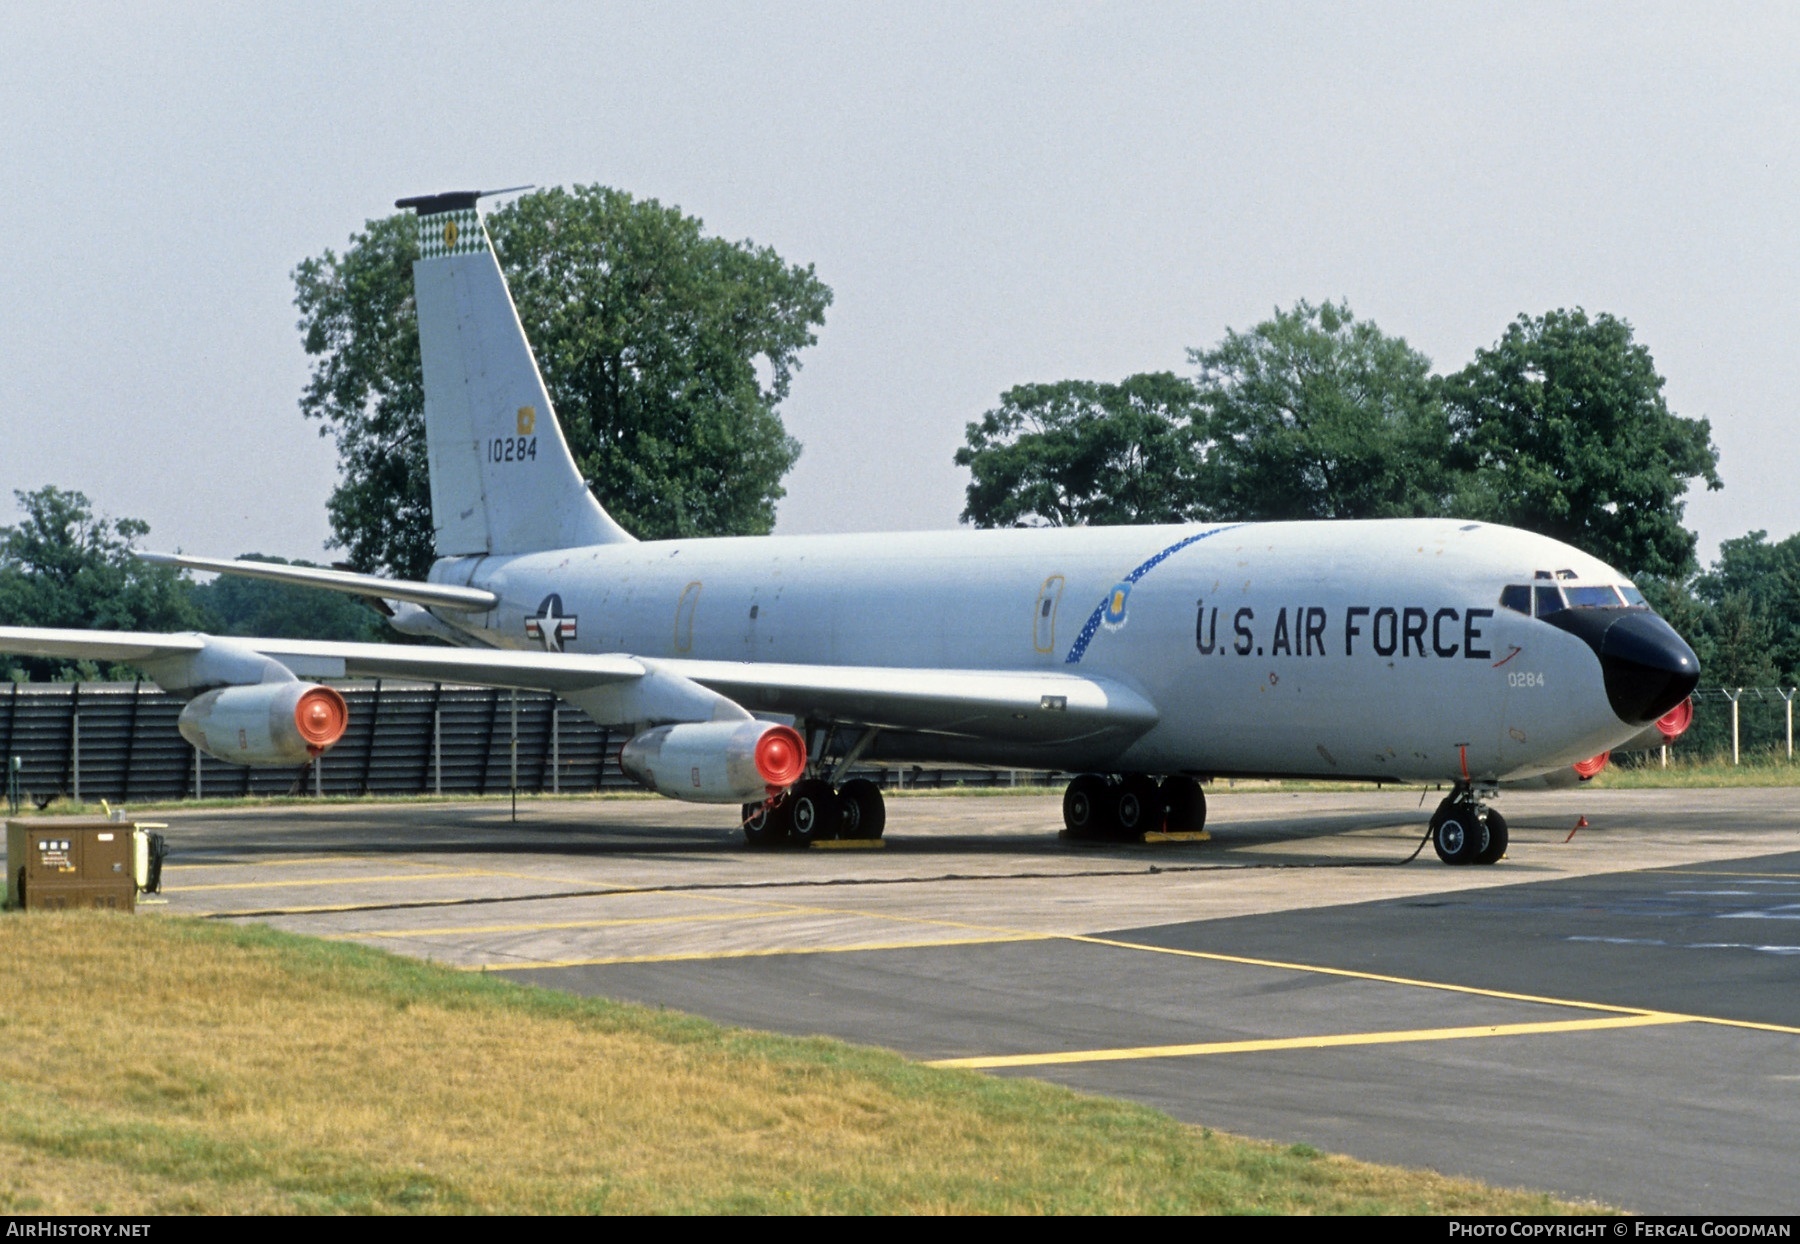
(1186, 804)
(1137, 807)
(1087, 805)
(767, 825)
(1457, 832)
(815, 815)
(863, 809)
(1496, 842)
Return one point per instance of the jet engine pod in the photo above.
(1665, 730)
(278, 723)
(716, 761)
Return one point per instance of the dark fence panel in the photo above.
(119, 742)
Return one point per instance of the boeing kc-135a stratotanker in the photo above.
(758, 671)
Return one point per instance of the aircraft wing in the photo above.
(33, 641)
(1023, 705)
(534, 671)
(1028, 706)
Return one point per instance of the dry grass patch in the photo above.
(155, 1064)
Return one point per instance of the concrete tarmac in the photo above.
(1612, 1016)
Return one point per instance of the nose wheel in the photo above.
(1463, 831)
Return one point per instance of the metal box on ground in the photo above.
(55, 862)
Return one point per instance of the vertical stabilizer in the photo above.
(502, 477)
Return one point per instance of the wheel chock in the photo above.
(850, 844)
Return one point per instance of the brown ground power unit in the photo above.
(55, 862)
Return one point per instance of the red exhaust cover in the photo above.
(1592, 765)
(1674, 723)
(781, 757)
(321, 717)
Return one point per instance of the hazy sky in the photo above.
(996, 194)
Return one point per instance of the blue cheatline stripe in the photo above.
(1079, 649)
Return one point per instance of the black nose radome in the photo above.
(1648, 668)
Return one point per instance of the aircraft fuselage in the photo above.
(1368, 650)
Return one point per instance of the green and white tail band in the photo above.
(457, 232)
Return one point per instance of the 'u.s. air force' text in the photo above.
(1384, 631)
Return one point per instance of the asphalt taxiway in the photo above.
(1611, 1016)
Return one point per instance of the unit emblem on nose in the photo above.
(1114, 616)
(549, 625)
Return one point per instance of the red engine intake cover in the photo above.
(781, 757)
(321, 716)
(1586, 769)
(1674, 723)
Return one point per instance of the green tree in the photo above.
(237, 606)
(1562, 429)
(64, 566)
(360, 323)
(665, 351)
(1316, 414)
(1077, 452)
(1753, 595)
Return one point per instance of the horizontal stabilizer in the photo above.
(442, 595)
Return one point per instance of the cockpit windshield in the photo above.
(1545, 595)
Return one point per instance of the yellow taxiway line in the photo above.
(700, 956)
(1414, 983)
(318, 881)
(550, 925)
(1311, 1043)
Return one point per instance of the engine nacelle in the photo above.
(1663, 731)
(716, 761)
(271, 723)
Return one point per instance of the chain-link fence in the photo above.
(1740, 725)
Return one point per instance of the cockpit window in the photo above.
(1591, 597)
(1543, 596)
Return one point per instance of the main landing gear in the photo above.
(1463, 831)
(1119, 809)
(813, 811)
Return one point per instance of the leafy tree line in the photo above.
(1559, 427)
(64, 566)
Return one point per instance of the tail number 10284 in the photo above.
(512, 449)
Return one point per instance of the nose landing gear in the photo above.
(1463, 831)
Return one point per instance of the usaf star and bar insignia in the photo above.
(549, 625)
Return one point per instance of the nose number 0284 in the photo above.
(1524, 678)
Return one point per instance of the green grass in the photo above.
(161, 1065)
(1645, 772)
